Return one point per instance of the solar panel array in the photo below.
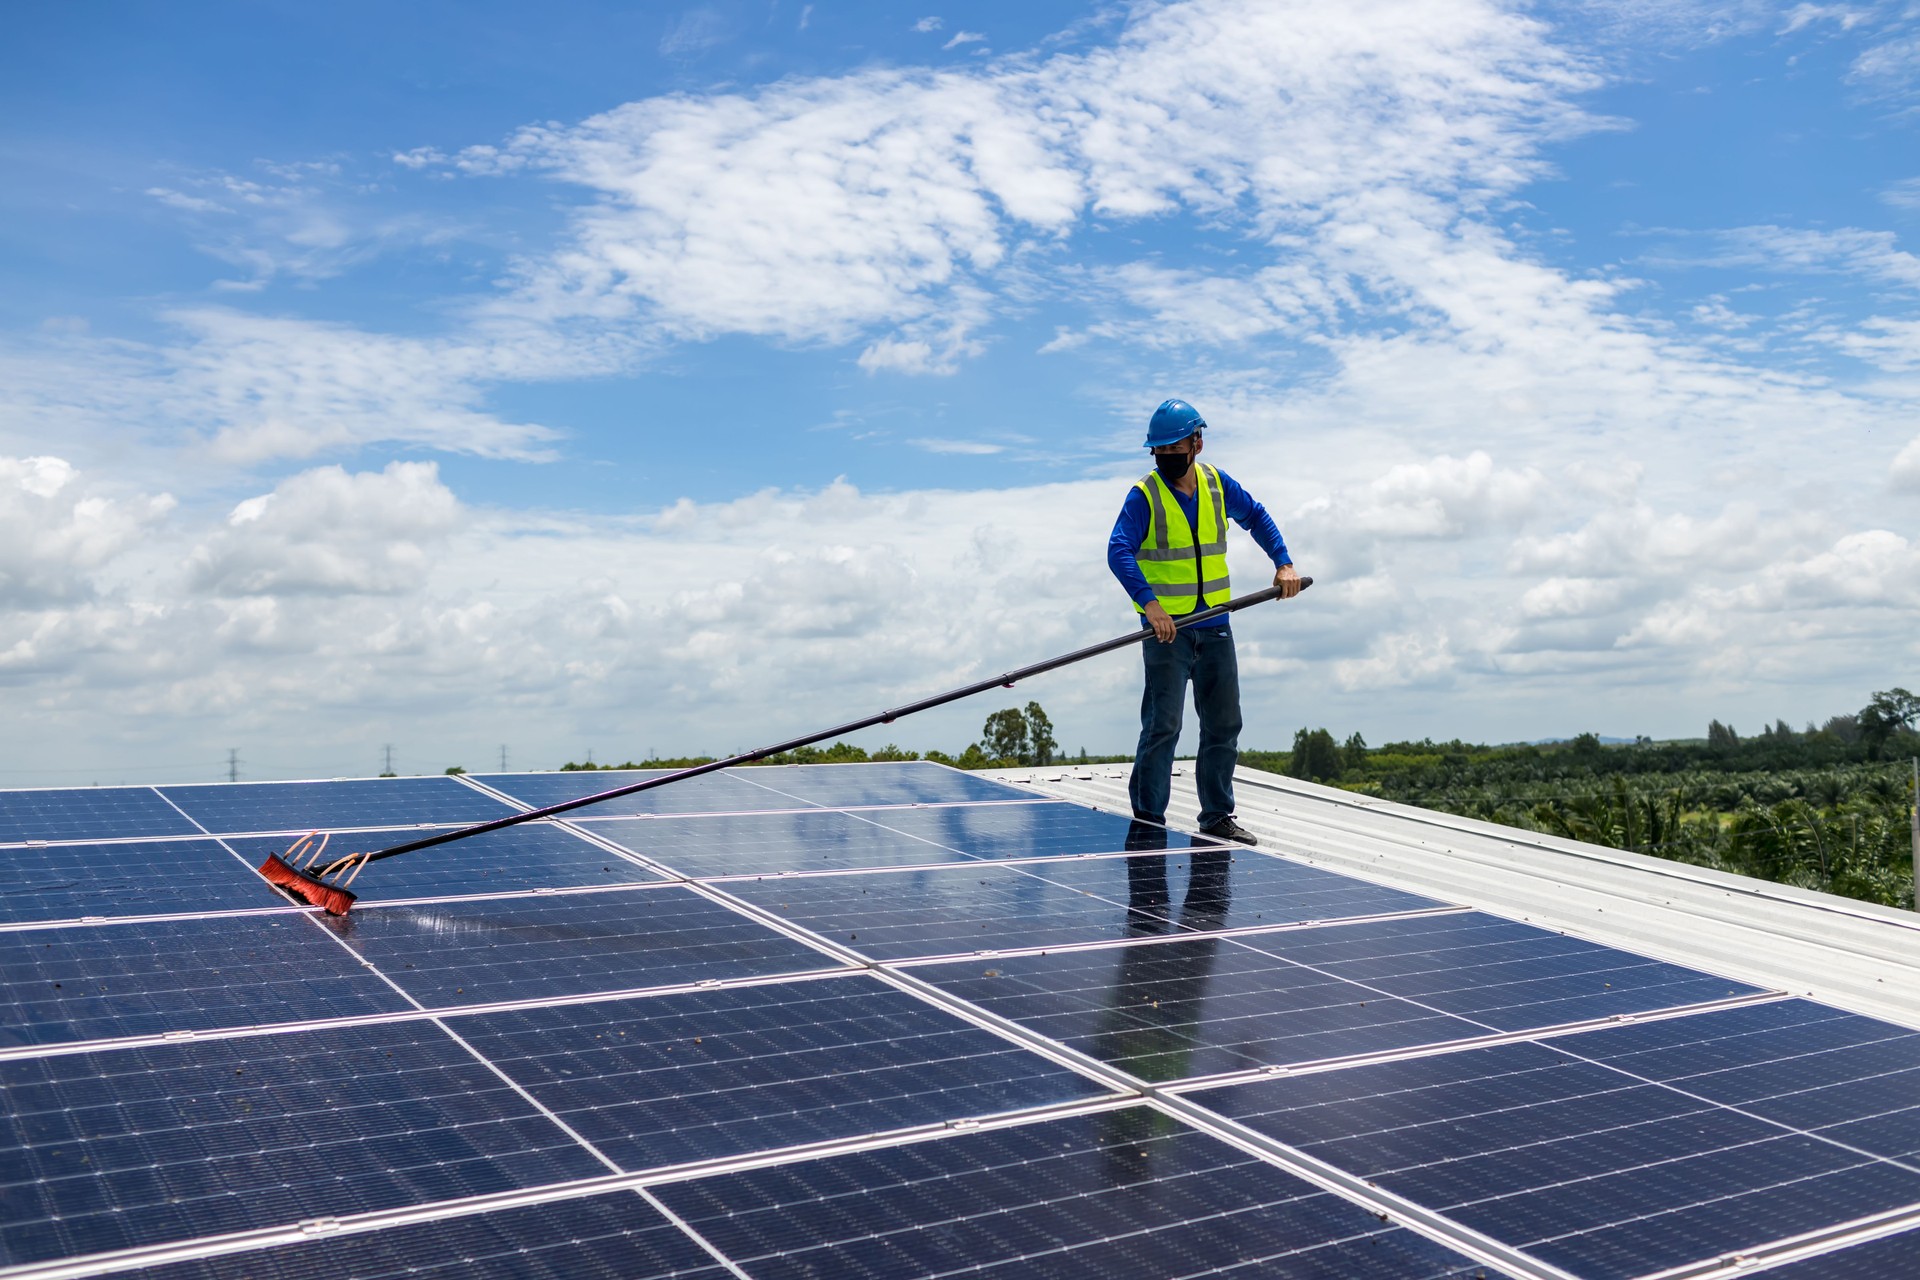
(878, 1020)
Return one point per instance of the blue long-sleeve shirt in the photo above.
(1130, 530)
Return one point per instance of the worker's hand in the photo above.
(1288, 580)
(1162, 624)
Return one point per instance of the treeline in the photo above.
(1009, 738)
(1826, 807)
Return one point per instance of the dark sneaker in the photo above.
(1228, 829)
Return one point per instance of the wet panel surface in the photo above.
(708, 793)
(87, 982)
(1044, 829)
(767, 843)
(458, 953)
(148, 877)
(610, 1237)
(1501, 973)
(676, 1078)
(954, 910)
(1193, 1007)
(140, 1146)
(1129, 1192)
(88, 813)
(535, 855)
(326, 806)
(897, 782)
(1585, 1167)
(1852, 1079)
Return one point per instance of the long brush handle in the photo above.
(885, 717)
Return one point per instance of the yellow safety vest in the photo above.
(1185, 571)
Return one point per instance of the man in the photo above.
(1169, 550)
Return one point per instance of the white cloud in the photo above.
(1802, 16)
(1891, 67)
(877, 199)
(1443, 498)
(981, 448)
(1872, 255)
(328, 532)
(927, 24)
(1906, 467)
(963, 37)
(1904, 194)
(55, 534)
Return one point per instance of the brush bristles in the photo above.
(301, 887)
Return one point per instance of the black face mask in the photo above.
(1172, 466)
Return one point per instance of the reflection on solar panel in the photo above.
(882, 1020)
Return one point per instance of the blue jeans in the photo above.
(1203, 658)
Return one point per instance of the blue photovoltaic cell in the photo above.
(1174, 1010)
(1045, 829)
(708, 793)
(141, 1146)
(898, 782)
(952, 910)
(1889, 1258)
(143, 878)
(1585, 1167)
(676, 1078)
(535, 855)
(456, 953)
(1220, 888)
(607, 1237)
(87, 982)
(1125, 1193)
(1852, 1079)
(1507, 975)
(765, 843)
(88, 813)
(325, 806)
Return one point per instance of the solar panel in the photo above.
(222, 808)
(1122, 1193)
(878, 1020)
(769, 843)
(130, 878)
(1582, 1165)
(89, 813)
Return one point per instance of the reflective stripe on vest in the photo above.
(1185, 571)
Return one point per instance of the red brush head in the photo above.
(301, 887)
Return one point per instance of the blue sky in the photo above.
(676, 376)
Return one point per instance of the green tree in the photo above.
(1353, 753)
(1889, 712)
(1004, 736)
(1315, 757)
(1041, 748)
(1721, 737)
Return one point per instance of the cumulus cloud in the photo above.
(328, 532)
(54, 533)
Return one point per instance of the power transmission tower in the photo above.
(388, 771)
(233, 764)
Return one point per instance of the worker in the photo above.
(1169, 550)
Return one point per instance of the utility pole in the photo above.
(503, 757)
(1913, 817)
(233, 764)
(388, 771)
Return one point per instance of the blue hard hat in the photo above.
(1173, 422)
